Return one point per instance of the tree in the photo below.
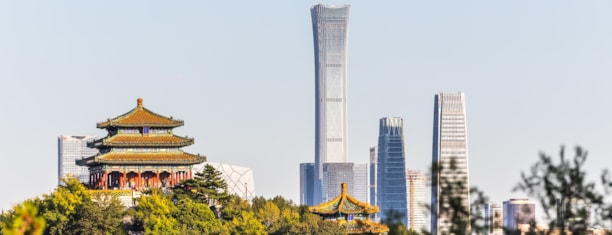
(101, 215)
(59, 207)
(153, 214)
(269, 216)
(195, 218)
(563, 192)
(247, 224)
(23, 219)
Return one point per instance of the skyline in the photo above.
(535, 74)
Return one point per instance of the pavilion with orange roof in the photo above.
(140, 151)
(351, 213)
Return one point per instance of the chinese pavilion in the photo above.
(139, 152)
(351, 213)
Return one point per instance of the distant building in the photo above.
(330, 34)
(360, 182)
(307, 178)
(449, 145)
(517, 212)
(493, 219)
(391, 172)
(373, 173)
(335, 174)
(417, 214)
(240, 180)
(70, 149)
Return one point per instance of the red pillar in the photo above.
(157, 180)
(139, 181)
(172, 179)
(190, 174)
(105, 180)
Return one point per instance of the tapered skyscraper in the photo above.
(449, 144)
(391, 170)
(330, 31)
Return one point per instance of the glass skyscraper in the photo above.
(449, 143)
(70, 149)
(307, 178)
(330, 33)
(373, 174)
(334, 174)
(391, 172)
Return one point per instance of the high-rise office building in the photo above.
(493, 219)
(307, 178)
(360, 182)
(330, 33)
(373, 173)
(334, 174)
(449, 146)
(70, 149)
(416, 200)
(391, 179)
(517, 212)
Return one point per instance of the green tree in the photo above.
(101, 215)
(247, 224)
(206, 187)
(234, 207)
(195, 218)
(153, 215)
(23, 219)
(564, 193)
(269, 216)
(59, 207)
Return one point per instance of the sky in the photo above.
(536, 75)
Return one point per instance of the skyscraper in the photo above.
(330, 33)
(391, 179)
(373, 173)
(334, 174)
(307, 183)
(449, 145)
(70, 149)
(416, 200)
(360, 181)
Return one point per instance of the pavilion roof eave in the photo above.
(99, 160)
(139, 117)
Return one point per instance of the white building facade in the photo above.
(70, 149)
(450, 144)
(330, 33)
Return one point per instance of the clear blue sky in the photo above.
(536, 75)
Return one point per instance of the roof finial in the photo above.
(139, 100)
(344, 188)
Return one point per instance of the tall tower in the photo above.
(70, 149)
(416, 200)
(373, 174)
(391, 179)
(330, 33)
(449, 144)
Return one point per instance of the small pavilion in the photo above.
(140, 152)
(351, 213)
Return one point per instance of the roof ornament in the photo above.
(139, 101)
(344, 188)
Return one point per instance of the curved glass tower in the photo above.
(391, 178)
(330, 31)
(449, 143)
